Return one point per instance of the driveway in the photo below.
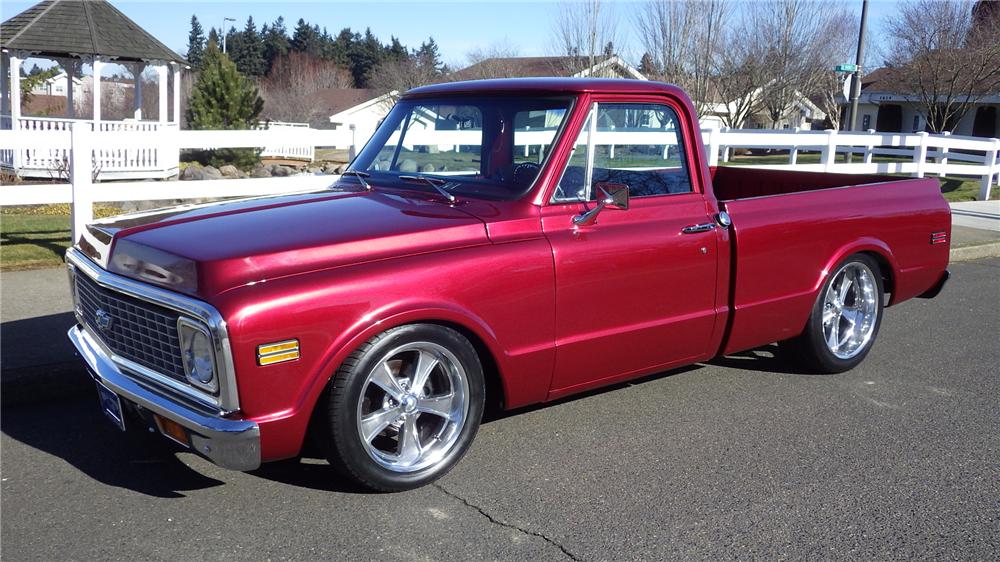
(740, 458)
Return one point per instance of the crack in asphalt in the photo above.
(496, 521)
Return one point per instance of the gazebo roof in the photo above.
(59, 28)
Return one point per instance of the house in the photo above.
(886, 105)
(563, 66)
(802, 112)
(361, 110)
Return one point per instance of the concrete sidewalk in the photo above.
(37, 362)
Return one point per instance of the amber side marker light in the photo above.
(173, 430)
(278, 352)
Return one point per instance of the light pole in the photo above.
(224, 33)
(856, 77)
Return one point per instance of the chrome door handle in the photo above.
(695, 228)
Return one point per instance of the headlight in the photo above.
(198, 355)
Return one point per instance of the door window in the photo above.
(636, 144)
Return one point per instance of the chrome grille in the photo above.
(139, 331)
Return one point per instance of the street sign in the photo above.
(846, 68)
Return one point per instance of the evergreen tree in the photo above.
(396, 50)
(341, 48)
(196, 44)
(275, 42)
(304, 38)
(647, 66)
(247, 50)
(428, 56)
(223, 98)
(213, 39)
(365, 54)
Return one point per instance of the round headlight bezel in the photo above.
(198, 355)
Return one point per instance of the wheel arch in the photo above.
(872, 247)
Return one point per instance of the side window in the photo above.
(636, 144)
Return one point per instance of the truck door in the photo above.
(635, 288)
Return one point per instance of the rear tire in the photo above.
(403, 408)
(845, 319)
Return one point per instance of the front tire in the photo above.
(403, 409)
(845, 320)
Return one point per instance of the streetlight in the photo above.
(224, 20)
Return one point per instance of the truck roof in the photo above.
(545, 85)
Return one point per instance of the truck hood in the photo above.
(205, 250)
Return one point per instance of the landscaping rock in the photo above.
(408, 165)
(330, 168)
(281, 171)
(192, 173)
(260, 172)
(211, 173)
(427, 168)
(230, 171)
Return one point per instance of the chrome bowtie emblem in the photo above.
(104, 320)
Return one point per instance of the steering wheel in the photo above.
(525, 172)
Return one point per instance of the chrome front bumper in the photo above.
(233, 444)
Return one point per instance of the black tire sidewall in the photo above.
(348, 452)
(818, 354)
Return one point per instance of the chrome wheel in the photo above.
(413, 406)
(850, 310)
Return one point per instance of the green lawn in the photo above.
(32, 241)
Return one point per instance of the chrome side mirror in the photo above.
(612, 196)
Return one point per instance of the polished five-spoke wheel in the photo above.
(413, 406)
(850, 310)
(845, 319)
(404, 407)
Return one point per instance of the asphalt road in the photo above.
(741, 458)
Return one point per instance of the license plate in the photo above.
(111, 405)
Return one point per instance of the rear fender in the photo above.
(867, 245)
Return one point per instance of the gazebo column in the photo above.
(15, 91)
(161, 81)
(137, 71)
(98, 66)
(176, 68)
(4, 83)
(73, 70)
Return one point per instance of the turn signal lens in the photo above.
(278, 352)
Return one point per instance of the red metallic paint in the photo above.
(559, 309)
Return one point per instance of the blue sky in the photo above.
(458, 27)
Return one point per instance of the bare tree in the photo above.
(943, 56)
(805, 41)
(289, 91)
(491, 62)
(685, 39)
(401, 75)
(584, 30)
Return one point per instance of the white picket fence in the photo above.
(921, 154)
(915, 154)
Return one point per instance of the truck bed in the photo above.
(790, 229)
(738, 182)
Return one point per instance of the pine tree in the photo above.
(341, 48)
(647, 66)
(428, 56)
(305, 38)
(247, 50)
(213, 39)
(275, 42)
(196, 44)
(223, 98)
(396, 51)
(365, 54)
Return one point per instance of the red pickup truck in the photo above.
(495, 243)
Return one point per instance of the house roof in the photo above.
(45, 105)
(58, 28)
(538, 67)
(882, 80)
(335, 100)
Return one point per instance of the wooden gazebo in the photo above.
(75, 33)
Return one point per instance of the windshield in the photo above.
(489, 147)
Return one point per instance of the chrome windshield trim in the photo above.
(228, 397)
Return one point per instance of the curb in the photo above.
(967, 253)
